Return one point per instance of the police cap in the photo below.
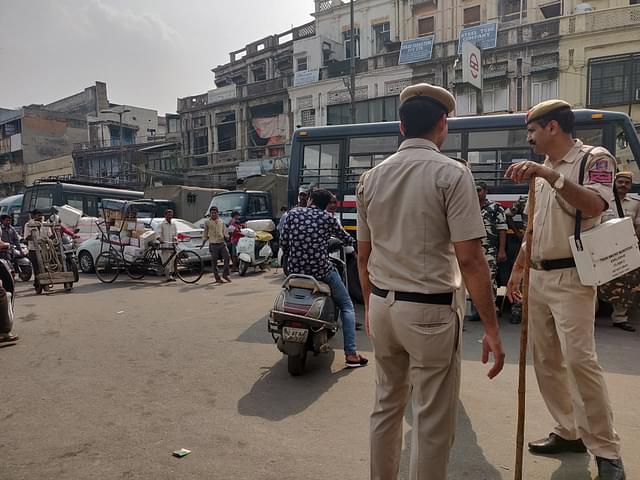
(628, 175)
(543, 108)
(439, 94)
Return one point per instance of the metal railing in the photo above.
(113, 143)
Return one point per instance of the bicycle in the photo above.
(187, 264)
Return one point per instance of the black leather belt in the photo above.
(553, 264)
(432, 298)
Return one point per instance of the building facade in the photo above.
(244, 125)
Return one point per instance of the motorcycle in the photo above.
(253, 249)
(20, 262)
(304, 316)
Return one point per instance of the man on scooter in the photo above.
(305, 238)
(10, 236)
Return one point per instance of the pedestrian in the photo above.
(33, 231)
(234, 232)
(167, 233)
(305, 240)
(10, 236)
(561, 309)
(418, 219)
(303, 196)
(494, 243)
(215, 232)
(332, 209)
(621, 292)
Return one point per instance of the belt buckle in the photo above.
(536, 265)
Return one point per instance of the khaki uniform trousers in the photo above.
(417, 352)
(562, 322)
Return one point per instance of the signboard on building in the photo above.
(472, 65)
(306, 77)
(221, 94)
(483, 36)
(416, 50)
(246, 169)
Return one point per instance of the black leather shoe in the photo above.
(556, 444)
(610, 469)
(626, 326)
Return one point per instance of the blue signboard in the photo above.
(483, 36)
(416, 50)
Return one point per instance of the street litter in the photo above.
(183, 452)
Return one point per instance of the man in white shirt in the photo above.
(167, 232)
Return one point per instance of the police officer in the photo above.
(495, 242)
(417, 213)
(561, 309)
(621, 292)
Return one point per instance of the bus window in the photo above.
(492, 152)
(44, 200)
(365, 153)
(590, 136)
(498, 139)
(623, 153)
(453, 143)
(320, 165)
(75, 200)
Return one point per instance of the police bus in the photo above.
(334, 157)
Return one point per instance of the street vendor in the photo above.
(32, 233)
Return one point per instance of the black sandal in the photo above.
(356, 364)
(626, 326)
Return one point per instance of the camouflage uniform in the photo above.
(494, 221)
(621, 292)
(517, 222)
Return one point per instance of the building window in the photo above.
(308, 117)
(634, 2)
(466, 101)
(199, 122)
(495, 97)
(509, 10)
(614, 81)
(543, 89)
(301, 64)
(381, 36)
(426, 26)
(472, 16)
(346, 40)
(259, 73)
(226, 126)
(200, 142)
(383, 109)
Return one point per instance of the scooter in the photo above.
(254, 250)
(21, 263)
(304, 316)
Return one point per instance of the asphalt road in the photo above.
(108, 380)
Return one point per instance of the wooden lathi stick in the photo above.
(524, 332)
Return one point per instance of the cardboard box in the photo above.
(608, 251)
(134, 242)
(69, 216)
(146, 238)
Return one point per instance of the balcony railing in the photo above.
(609, 19)
(114, 143)
(265, 87)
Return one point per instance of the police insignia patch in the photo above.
(600, 176)
(602, 164)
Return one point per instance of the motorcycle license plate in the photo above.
(297, 335)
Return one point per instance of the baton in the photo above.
(524, 332)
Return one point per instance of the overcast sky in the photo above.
(149, 52)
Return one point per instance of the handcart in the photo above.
(55, 265)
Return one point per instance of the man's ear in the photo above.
(402, 129)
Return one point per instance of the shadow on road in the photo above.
(467, 458)
(573, 466)
(277, 395)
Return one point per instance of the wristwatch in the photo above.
(559, 183)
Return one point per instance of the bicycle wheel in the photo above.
(188, 266)
(107, 267)
(136, 269)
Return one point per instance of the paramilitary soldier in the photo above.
(621, 293)
(495, 242)
(418, 213)
(561, 309)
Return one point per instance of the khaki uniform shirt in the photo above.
(412, 207)
(554, 217)
(630, 207)
(215, 231)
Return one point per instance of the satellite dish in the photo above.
(584, 8)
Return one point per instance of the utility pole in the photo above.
(352, 88)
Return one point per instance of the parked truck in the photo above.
(191, 203)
